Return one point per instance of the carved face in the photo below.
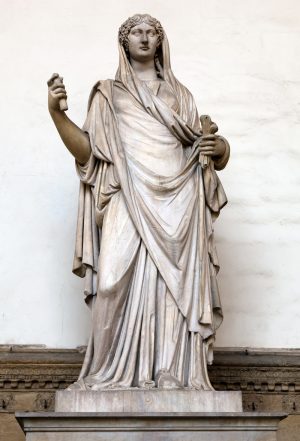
(142, 42)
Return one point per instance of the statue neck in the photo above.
(144, 70)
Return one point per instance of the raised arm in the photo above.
(75, 139)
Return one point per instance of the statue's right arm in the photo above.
(75, 139)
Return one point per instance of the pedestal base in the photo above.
(148, 400)
(164, 426)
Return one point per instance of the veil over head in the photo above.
(186, 116)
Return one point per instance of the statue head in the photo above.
(134, 21)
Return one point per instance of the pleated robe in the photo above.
(144, 238)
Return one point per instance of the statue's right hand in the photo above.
(56, 93)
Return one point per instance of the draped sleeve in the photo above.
(91, 174)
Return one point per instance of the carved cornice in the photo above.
(256, 370)
(268, 379)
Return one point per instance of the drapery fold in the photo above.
(165, 220)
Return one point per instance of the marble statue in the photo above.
(149, 194)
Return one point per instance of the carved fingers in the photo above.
(207, 145)
(56, 86)
(56, 92)
(211, 145)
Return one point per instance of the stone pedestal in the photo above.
(148, 400)
(162, 426)
(148, 415)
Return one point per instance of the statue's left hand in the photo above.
(212, 145)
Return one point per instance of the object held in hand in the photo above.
(57, 80)
(208, 128)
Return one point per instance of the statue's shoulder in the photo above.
(186, 92)
(103, 86)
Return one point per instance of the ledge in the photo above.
(174, 426)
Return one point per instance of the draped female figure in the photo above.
(144, 239)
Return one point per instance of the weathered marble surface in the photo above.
(152, 426)
(139, 400)
(149, 195)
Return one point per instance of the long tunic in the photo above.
(145, 241)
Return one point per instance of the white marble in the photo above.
(152, 400)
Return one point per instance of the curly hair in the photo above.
(134, 21)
